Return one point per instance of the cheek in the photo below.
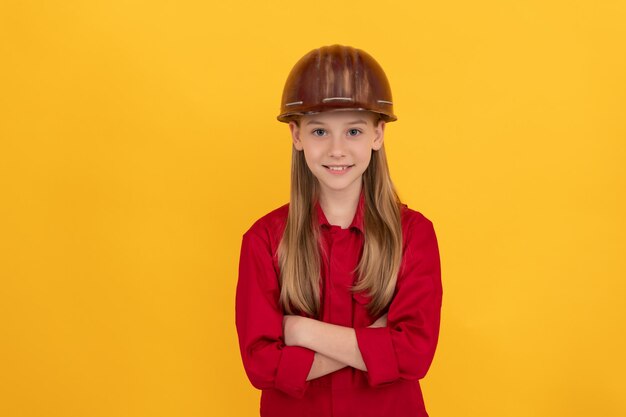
(312, 153)
(365, 156)
(311, 157)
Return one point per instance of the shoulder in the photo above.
(418, 232)
(413, 220)
(420, 252)
(270, 226)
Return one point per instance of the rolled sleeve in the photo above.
(293, 368)
(406, 347)
(268, 362)
(378, 354)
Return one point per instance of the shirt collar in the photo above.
(357, 221)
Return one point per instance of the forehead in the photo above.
(343, 116)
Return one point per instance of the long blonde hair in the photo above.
(299, 250)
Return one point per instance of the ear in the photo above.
(295, 135)
(380, 135)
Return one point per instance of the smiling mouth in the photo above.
(338, 167)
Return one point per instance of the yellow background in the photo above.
(139, 142)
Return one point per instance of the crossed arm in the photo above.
(335, 346)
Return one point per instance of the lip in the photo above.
(342, 172)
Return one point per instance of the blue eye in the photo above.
(318, 130)
(357, 131)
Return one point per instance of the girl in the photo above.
(339, 293)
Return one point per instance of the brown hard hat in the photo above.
(336, 77)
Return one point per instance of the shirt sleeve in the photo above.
(268, 362)
(406, 346)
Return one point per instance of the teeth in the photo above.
(337, 168)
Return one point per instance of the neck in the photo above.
(340, 206)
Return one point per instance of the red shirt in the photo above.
(396, 356)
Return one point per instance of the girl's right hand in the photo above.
(381, 322)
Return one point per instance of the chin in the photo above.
(338, 186)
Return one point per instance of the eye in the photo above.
(318, 130)
(353, 132)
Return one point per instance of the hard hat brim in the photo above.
(287, 117)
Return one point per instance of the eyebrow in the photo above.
(317, 122)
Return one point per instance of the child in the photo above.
(339, 293)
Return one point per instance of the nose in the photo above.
(337, 146)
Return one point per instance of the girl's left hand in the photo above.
(292, 325)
